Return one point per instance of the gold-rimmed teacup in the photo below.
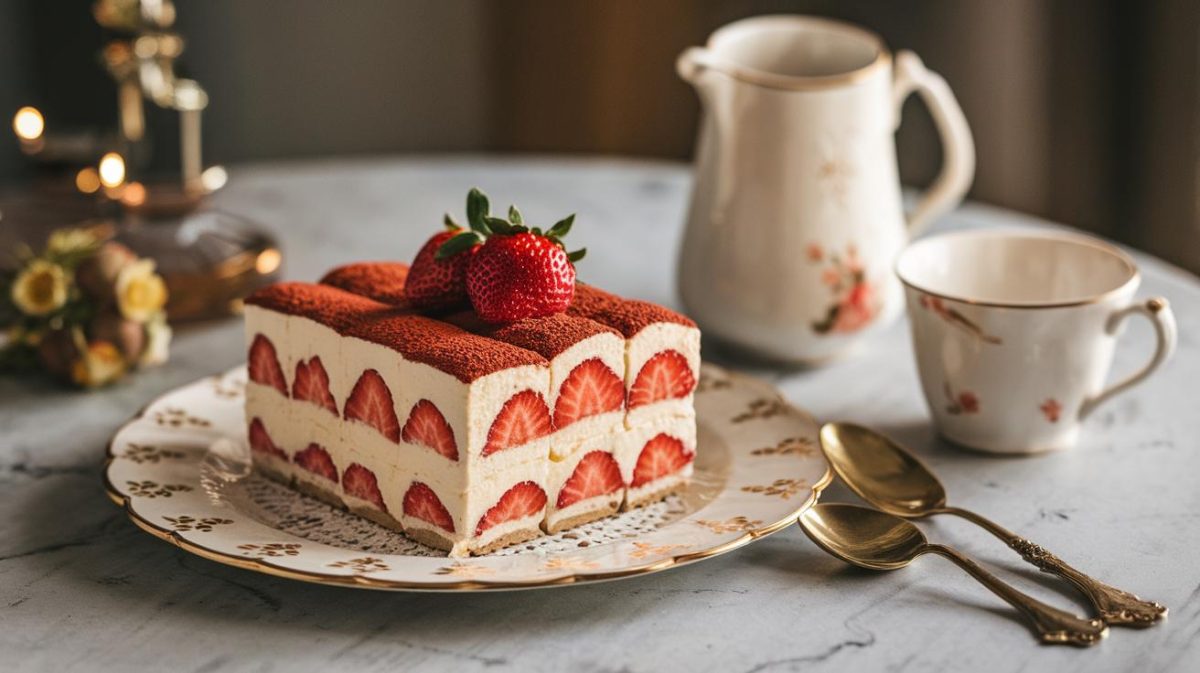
(1014, 332)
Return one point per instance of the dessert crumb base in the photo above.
(655, 495)
(607, 509)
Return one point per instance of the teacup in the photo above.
(1014, 332)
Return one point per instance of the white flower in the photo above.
(141, 293)
(40, 288)
(158, 342)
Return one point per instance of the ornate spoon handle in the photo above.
(1115, 606)
(1053, 626)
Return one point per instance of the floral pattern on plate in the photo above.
(755, 473)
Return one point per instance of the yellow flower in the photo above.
(67, 241)
(141, 293)
(101, 363)
(40, 288)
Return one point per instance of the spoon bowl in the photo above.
(880, 471)
(863, 537)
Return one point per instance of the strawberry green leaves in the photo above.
(561, 227)
(477, 211)
(460, 243)
(483, 224)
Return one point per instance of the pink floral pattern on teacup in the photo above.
(956, 319)
(1051, 409)
(961, 402)
(856, 301)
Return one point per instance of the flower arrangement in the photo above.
(86, 310)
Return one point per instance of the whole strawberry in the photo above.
(518, 272)
(438, 284)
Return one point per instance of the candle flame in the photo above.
(28, 123)
(112, 170)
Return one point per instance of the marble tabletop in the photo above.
(82, 589)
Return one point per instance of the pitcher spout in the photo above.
(692, 64)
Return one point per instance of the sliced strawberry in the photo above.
(597, 474)
(665, 376)
(428, 427)
(359, 482)
(261, 441)
(370, 402)
(524, 499)
(661, 456)
(422, 503)
(317, 460)
(264, 364)
(591, 388)
(524, 418)
(311, 384)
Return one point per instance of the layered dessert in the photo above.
(471, 413)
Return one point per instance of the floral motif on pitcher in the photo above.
(855, 300)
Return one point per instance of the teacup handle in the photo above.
(958, 148)
(1159, 312)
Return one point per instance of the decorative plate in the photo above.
(181, 469)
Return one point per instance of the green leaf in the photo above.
(461, 243)
(498, 225)
(477, 210)
(514, 215)
(450, 223)
(577, 255)
(562, 226)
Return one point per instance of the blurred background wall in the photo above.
(1083, 112)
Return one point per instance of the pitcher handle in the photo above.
(958, 148)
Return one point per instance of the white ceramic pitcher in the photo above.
(796, 215)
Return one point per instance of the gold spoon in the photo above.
(877, 540)
(886, 475)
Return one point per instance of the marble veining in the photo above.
(81, 589)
